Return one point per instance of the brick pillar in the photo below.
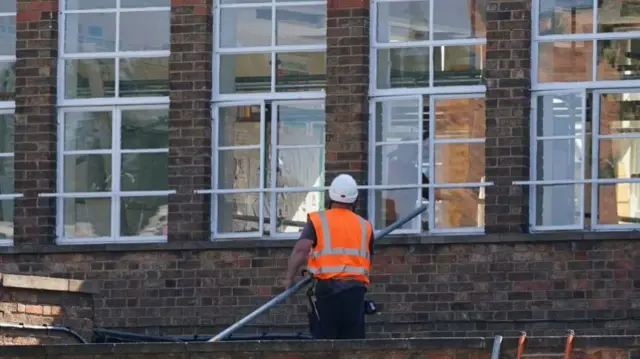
(347, 107)
(35, 125)
(508, 66)
(190, 119)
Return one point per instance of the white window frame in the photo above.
(8, 108)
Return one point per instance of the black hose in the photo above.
(43, 327)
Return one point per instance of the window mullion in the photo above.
(273, 207)
(116, 160)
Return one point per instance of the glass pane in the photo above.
(392, 205)
(8, 6)
(245, 27)
(565, 61)
(398, 120)
(560, 115)
(403, 21)
(559, 17)
(238, 213)
(299, 167)
(89, 78)
(397, 164)
(459, 19)
(301, 124)
(239, 169)
(618, 158)
(144, 77)
(301, 71)
(145, 172)
(90, 4)
(403, 68)
(459, 207)
(458, 65)
(294, 207)
(143, 216)
(6, 133)
(460, 118)
(145, 30)
(559, 205)
(245, 73)
(87, 217)
(6, 219)
(238, 126)
(301, 25)
(7, 81)
(144, 3)
(618, 60)
(618, 204)
(90, 32)
(145, 129)
(617, 16)
(8, 38)
(6, 175)
(227, 2)
(619, 113)
(87, 131)
(459, 162)
(87, 173)
(560, 159)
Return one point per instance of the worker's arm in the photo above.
(300, 253)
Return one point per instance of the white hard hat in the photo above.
(343, 189)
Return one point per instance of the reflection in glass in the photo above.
(392, 205)
(299, 167)
(6, 176)
(295, 206)
(405, 67)
(459, 208)
(87, 217)
(238, 213)
(245, 73)
(6, 219)
(458, 65)
(460, 118)
(144, 172)
(87, 131)
(144, 3)
(89, 78)
(459, 19)
(238, 126)
(7, 6)
(239, 169)
(618, 60)
(90, 4)
(565, 61)
(459, 162)
(559, 205)
(619, 113)
(144, 129)
(143, 216)
(618, 16)
(397, 164)
(402, 21)
(87, 173)
(301, 123)
(560, 159)
(8, 38)
(566, 17)
(560, 115)
(301, 25)
(245, 27)
(145, 31)
(6, 133)
(90, 32)
(144, 77)
(618, 158)
(619, 204)
(7, 81)
(301, 71)
(398, 120)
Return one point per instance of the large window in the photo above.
(113, 121)
(427, 129)
(585, 167)
(7, 93)
(7, 49)
(268, 116)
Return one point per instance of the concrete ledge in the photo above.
(47, 283)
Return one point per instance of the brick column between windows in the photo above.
(347, 107)
(35, 124)
(190, 119)
(508, 66)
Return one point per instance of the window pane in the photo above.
(459, 207)
(560, 115)
(145, 129)
(93, 32)
(144, 172)
(618, 60)
(87, 131)
(618, 158)
(294, 206)
(89, 78)
(397, 164)
(245, 73)
(459, 19)
(301, 124)
(560, 159)
(144, 77)
(7, 81)
(239, 169)
(301, 71)
(87, 173)
(301, 25)
(8, 6)
(618, 204)
(458, 65)
(566, 17)
(403, 68)
(619, 113)
(144, 3)
(8, 38)
(565, 61)
(144, 31)
(403, 21)
(228, 2)
(238, 126)
(299, 167)
(398, 121)
(393, 205)
(87, 217)
(238, 213)
(90, 4)
(6, 175)
(6, 219)
(6, 133)
(245, 27)
(143, 216)
(459, 162)
(559, 205)
(460, 118)
(617, 16)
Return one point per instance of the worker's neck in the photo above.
(341, 206)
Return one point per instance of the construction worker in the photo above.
(336, 245)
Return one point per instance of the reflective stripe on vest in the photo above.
(328, 249)
(338, 269)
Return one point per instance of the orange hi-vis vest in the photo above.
(342, 247)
